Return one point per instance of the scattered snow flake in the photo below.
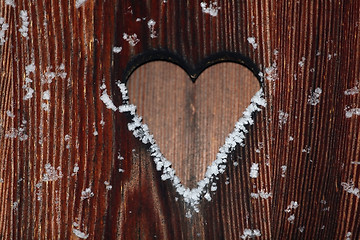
(271, 73)
(10, 3)
(283, 117)
(251, 40)
(349, 112)
(213, 9)
(151, 25)
(10, 114)
(80, 234)
(79, 3)
(15, 206)
(302, 62)
(87, 193)
(45, 107)
(313, 98)
(352, 91)
(131, 39)
(207, 197)
(51, 174)
(108, 186)
(24, 23)
(46, 95)
(18, 132)
(121, 170)
(3, 27)
(30, 69)
(251, 233)
(291, 139)
(107, 101)
(29, 92)
(353, 162)
(306, 149)
(75, 169)
(188, 214)
(348, 235)
(254, 170)
(262, 194)
(117, 49)
(350, 188)
(293, 205)
(301, 229)
(236, 164)
(283, 170)
(291, 218)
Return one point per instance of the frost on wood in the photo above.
(313, 98)
(193, 196)
(107, 101)
(251, 40)
(79, 3)
(212, 9)
(254, 170)
(293, 205)
(10, 3)
(283, 170)
(51, 174)
(3, 28)
(87, 193)
(283, 117)
(349, 112)
(262, 194)
(117, 49)
(151, 25)
(352, 91)
(250, 233)
(20, 132)
(350, 188)
(108, 186)
(131, 39)
(80, 234)
(24, 23)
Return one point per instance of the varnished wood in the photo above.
(190, 121)
(302, 45)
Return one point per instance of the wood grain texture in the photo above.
(302, 46)
(190, 121)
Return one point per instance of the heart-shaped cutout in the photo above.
(206, 110)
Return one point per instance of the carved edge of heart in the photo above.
(141, 131)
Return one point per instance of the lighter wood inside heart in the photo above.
(190, 121)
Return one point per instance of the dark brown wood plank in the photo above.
(302, 46)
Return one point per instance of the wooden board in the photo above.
(301, 46)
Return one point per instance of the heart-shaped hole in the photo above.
(190, 120)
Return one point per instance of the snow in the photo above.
(251, 40)
(10, 114)
(108, 186)
(350, 112)
(75, 169)
(350, 188)
(51, 174)
(283, 117)
(25, 23)
(313, 98)
(18, 132)
(3, 28)
(352, 91)
(302, 62)
(254, 170)
(87, 193)
(262, 194)
(80, 234)
(291, 218)
(10, 3)
(46, 95)
(213, 9)
(251, 233)
(107, 101)
(79, 3)
(283, 170)
(293, 205)
(117, 49)
(131, 39)
(151, 25)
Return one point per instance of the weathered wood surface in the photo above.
(302, 45)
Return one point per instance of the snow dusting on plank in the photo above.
(254, 170)
(131, 39)
(350, 188)
(3, 28)
(80, 234)
(151, 25)
(24, 23)
(352, 91)
(87, 193)
(212, 9)
(51, 174)
(313, 98)
(106, 99)
(117, 49)
(252, 41)
(349, 112)
(10, 3)
(250, 233)
(79, 3)
(261, 194)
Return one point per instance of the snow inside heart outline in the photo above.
(141, 131)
